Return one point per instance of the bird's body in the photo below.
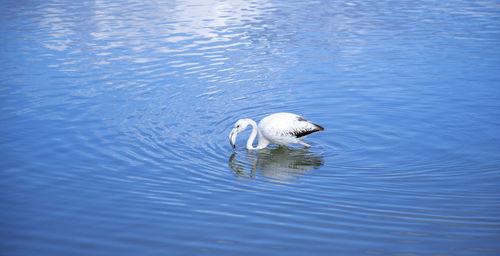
(279, 128)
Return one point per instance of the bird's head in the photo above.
(239, 126)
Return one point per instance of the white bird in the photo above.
(279, 128)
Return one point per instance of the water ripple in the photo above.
(115, 117)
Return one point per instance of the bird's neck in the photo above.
(255, 130)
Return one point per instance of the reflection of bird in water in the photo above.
(280, 163)
(279, 128)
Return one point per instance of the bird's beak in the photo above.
(232, 137)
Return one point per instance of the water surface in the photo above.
(114, 119)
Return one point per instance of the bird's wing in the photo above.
(301, 127)
(286, 124)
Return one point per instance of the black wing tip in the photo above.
(303, 133)
(320, 128)
(307, 132)
(317, 128)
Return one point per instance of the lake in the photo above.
(115, 116)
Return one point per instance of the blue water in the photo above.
(114, 117)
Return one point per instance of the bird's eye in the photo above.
(237, 126)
